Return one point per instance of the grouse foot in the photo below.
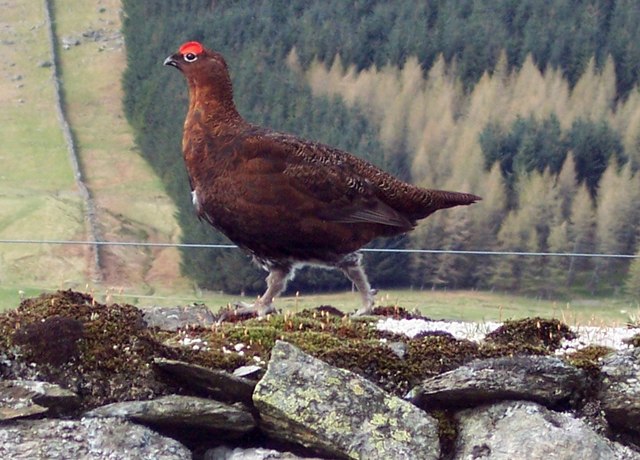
(368, 302)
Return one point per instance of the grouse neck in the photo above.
(214, 100)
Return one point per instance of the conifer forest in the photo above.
(532, 104)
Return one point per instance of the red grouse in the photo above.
(285, 200)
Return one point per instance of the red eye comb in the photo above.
(191, 47)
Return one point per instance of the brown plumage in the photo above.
(286, 200)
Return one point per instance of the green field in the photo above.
(39, 196)
(452, 305)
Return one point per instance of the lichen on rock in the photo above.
(302, 399)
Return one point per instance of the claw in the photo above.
(363, 312)
(367, 307)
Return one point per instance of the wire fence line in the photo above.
(373, 250)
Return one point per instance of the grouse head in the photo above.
(206, 73)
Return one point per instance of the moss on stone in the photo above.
(516, 348)
(106, 356)
(588, 359)
(53, 340)
(536, 332)
(436, 353)
(108, 350)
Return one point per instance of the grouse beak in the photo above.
(172, 61)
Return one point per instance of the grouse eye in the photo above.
(190, 57)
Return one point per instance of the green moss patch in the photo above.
(535, 332)
(588, 358)
(103, 353)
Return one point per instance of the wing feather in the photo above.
(323, 176)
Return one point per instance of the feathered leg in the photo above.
(276, 282)
(352, 267)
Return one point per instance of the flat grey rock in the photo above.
(525, 430)
(27, 398)
(303, 400)
(174, 318)
(86, 439)
(255, 453)
(544, 379)
(620, 391)
(183, 411)
(216, 383)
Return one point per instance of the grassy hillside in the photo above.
(131, 202)
(39, 197)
